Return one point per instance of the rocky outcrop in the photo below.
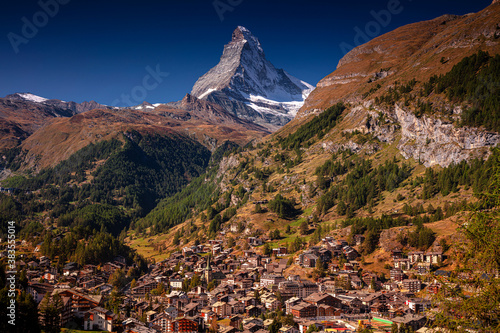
(430, 140)
(436, 142)
(226, 164)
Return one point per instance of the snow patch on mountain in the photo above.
(32, 98)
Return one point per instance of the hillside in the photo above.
(205, 122)
(391, 154)
(415, 51)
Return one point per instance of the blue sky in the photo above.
(100, 50)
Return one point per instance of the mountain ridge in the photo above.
(414, 50)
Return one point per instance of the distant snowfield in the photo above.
(33, 98)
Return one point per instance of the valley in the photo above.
(368, 203)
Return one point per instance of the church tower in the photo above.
(208, 271)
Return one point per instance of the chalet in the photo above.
(309, 260)
(244, 283)
(390, 286)
(252, 311)
(369, 277)
(411, 320)
(110, 267)
(81, 303)
(255, 260)
(247, 301)
(69, 268)
(291, 302)
(236, 307)
(377, 297)
(38, 290)
(412, 285)
(176, 283)
(187, 325)
(403, 264)
(350, 253)
(222, 309)
(151, 315)
(99, 319)
(325, 311)
(323, 299)
(144, 288)
(298, 288)
(304, 310)
(235, 321)
(254, 241)
(434, 288)
(271, 303)
(423, 268)
(280, 251)
(351, 301)
(271, 279)
(418, 305)
(379, 309)
(397, 275)
(434, 257)
(191, 309)
(416, 256)
(208, 315)
(49, 276)
(131, 325)
(356, 282)
(64, 311)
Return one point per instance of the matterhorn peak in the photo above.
(241, 33)
(244, 36)
(247, 85)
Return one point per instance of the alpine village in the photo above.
(259, 203)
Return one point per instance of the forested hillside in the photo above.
(96, 194)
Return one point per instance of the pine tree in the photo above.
(50, 313)
(476, 307)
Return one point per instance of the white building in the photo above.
(99, 319)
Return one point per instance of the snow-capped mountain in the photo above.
(73, 106)
(248, 85)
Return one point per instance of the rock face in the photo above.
(246, 84)
(429, 140)
(433, 141)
